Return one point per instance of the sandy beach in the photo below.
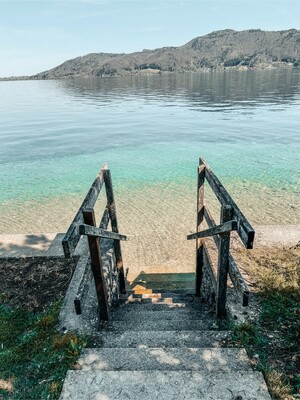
(157, 218)
(152, 251)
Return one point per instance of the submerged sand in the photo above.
(158, 220)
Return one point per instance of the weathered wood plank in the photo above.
(216, 230)
(97, 267)
(72, 235)
(105, 219)
(234, 273)
(208, 265)
(245, 230)
(114, 226)
(199, 242)
(98, 232)
(223, 265)
(209, 218)
(83, 285)
(82, 288)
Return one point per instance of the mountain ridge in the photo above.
(218, 50)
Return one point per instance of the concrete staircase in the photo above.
(166, 346)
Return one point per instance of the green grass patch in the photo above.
(34, 357)
(272, 341)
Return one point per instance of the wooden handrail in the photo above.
(111, 205)
(234, 273)
(231, 219)
(84, 224)
(105, 219)
(97, 266)
(223, 265)
(98, 232)
(215, 230)
(245, 230)
(72, 235)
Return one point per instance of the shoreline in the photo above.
(27, 244)
(152, 256)
(142, 73)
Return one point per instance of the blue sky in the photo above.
(38, 35)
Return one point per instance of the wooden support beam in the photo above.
(82, 288)
(105, 219)
(245, 230)
(98, 232)
(199, 242)
(72, 235)
(97, 267)
(234, 273)
(208, 265)
(216, 230)
(223, 264)
(114, 226)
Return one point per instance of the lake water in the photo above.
(55, 135)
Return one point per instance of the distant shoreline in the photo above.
(284, 66)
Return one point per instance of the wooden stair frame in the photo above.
(231, 219)
(84, 223)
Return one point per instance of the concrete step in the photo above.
(180, 277)
(167, 385)
(150, 338)
(168, 291)
(169, 325)
(167, 304)
(174, 359)
(166, 285)
(158, 298)
(56, 249)
(176, 296)
(129, 314)
(161, 305)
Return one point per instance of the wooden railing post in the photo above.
(97, 267)
(223, 264)
(114, 226)
(200, 213)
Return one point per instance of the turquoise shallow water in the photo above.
(151, 130)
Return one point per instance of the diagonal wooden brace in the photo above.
(216, 230)
(98, 232)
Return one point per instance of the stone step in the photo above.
(169, 325)
(180, 277)
(174, 359)
(150, 338)
(161, 305)
(167, 305)
(186, 285)
(129, 314)
(56, 248)
(158, 298)
(168, 291)
(167, 385)
(176, 296)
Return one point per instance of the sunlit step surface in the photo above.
(165, 385)
(138, 314)
(174, 359)
(159, 325)
(152, 338)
